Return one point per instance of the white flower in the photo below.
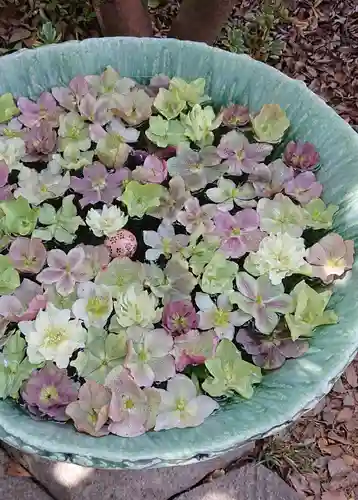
(107, 221)
(53, 336)
(148, 356)
(227, 193)
(220, 317)
(135, 306)
(279, 255)
(73, 132)
(181, 406)
(94, 304)
(73, 159)
(12, 151)
(163, 241)
(281, 215)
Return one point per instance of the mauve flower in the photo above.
(331, 257)
(48, 391)
(28, 255)
(153, 170)
(69, 97)
(45, 108)
(98, 184)
(136, 158)
(97, 259)
(197, 217)
(270, 179)
(95, 110)
(235, 116)
(179, 317)
(27, 300)
(238, 233)
(64, 270)
(304, 188)
(5, 189)
(40, 141)
(90, 412)
(239, 155)
(194, 348)
(173, 201)
(301, 155)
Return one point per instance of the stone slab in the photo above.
(251, 482)
(69, 482)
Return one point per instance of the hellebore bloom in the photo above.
(24, 304)
(179, 317)
(197, 217)
(34, 112)
(304, 188)
(154, 170)
(235, 115)
(28, 255)
(40, 141)
(281, 215)
(94, 304)
(164, 241)
(270, 179)
(193, 348)
(301, 155)
(226, 194)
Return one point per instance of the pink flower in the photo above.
(235, 116)
(97, 259)
(95, 110)
(331, 257)
(239, 233)
(27, 255)
(98, 184)
(69, 97)
(24, 304)
(40, 140)
(45, 108)
(270, 179)
(301, 155)
(194, 348)
(197, 217)
(153, 170)
(304, 187)
(5, 189)
(64, 270)
(179, 317)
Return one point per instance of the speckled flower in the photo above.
(197, 217)
(301, 155)
(48, 391)
(179, 316)
(107, 221)
(28, 255)
(281, 215)
(270, 179)
(227, 195)
(45, 108)
(304, 188)
(94, 304)
(164, 241)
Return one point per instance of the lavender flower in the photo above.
(40, 141)
(45, 108)
(179, 317)
(269, 180)
(197, 217)
(304, 188)
(69, 97)
(27, 255)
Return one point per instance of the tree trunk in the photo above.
(201, 20)
(123, 17)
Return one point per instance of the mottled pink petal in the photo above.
(247, 219)
(50, 275)
(57, 259)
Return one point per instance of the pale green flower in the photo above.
(73, 132)
(73, 159)
(9, 277)
(318, 215)
(20, 218)
(218, 275)
(281, 215)
(192, 92)
(8, 108)
(165, 133)
(120, 274)
(270, 124)
(138, 307)
(94, 304)
(140, 198)
(12, 150)
(199, 124)
(169, 103)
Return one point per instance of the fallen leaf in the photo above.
(351, 376)
(334, 495)
(14, 469)
(344, 415)
(338, 467)
(19, 34)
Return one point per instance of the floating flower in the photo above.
(8, 107)
(235, 115)
(12, 129)
(48, 391)
(199, 254)
(157, 82)
(172, 201)
(262, 300)
(137, 307)
(309, 311)
(301, 155)
(279, 255)
(281, 215)
(196, 168)
(229, 372)
(238, 233)
(69, 97)
(182, 405)
(108, 82)
(192, 92)
(106, 221)
(98, 184)
(134, 107)
(165, 133)
(149, 358)
(269, 180)
(94, 304)
(169, 103)
(27, 300)
(45, 108)
(270, 124)
(193, 348)
(318, 215)
(72, 159)
(227, 195)
(331, 257)
(199, 124)
(239, 155)
(40, 141)
(19, 218)
(304, 188)
(197, 218)
(153, 170)
(27, 255)
(59, 301)
(164, 241)
(179, 317)
(9, 277)
(120, 274)
(73, 132)
(218, 275)
(5, 188)
(90, 412)
(64, 270)
(95, 110)
(97, 259)
(12, 151)
(219, 316)
(141, 198)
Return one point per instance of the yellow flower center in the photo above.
(97, 306)
(92, 417)
(236, 231)
(179, 321)
(48, 393)
(142, 355)
(221, 317)
(166, 246)
(240, 155)
(180, 404)
(54, 336)
(74, 132)
(259, 300)
(129, 404)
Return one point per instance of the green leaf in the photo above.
(9, 277)
(8, 108)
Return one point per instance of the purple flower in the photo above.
(194, 348)
(98, 184)
(270, 179)
(235, 116)
(270, 353)
(5, 189)
(239, 155)
(24, 304)
(27, 255)
(45, 108)
(69, 97)
(97, 259)
(301, 155)
(95, 110)
(153, 170)
(304, 187)
(64, 270)
(238, 233)
(40, 140)
(197, 217)
(48, 391)
(179, 317)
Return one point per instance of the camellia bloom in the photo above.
(53, 336)
(179, 317)
(164, 241)
(235, 115)
(5, 188)
(106, 222)
(28, 255)
(304, 187)
(98, 184)
(301, 155)
(33, 113)
(270, 179)
(270, 124)
(239, 155)
(226, 194)
(281, 215)
(279, 255)
(197, 217)
(182, 405)
(24, 304)
(262, 300)
(90, 412)
(48, 391)
(64, 270)
(154, 170)
(238, 233)
(218, 275)
(193, 348)
(219, 316)
(331, 257)
(137, 307)
(94, 304)
(40, 141)
(148, 357)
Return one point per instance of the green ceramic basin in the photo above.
(284, 395)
